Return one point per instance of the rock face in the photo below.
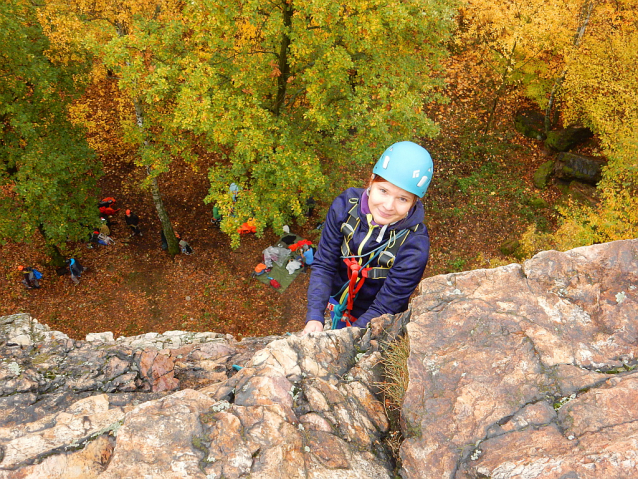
(526, 371)
(543, 174)
(570, 166)
(567, 138)
(516, 372)
(530, 122)
(296, 408)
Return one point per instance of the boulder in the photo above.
(530, 122)
(538, 203)
(568, 138)
(526, 370)
(576, 192)
(583, 193)
(542, 174)
(509, 246)
(586, 169)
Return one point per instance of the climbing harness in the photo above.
(358, 271)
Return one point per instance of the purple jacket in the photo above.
(377, 296)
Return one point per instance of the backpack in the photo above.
(36, 274)
(261, 268)
(185, 247)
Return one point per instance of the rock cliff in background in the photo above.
(516, 372)
(526, 371)
(567, 138)
(587, 169)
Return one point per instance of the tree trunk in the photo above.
(167, 227)
(585, 15)
(507, 69)
(284, 67)
(57, 259)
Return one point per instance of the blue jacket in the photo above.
(75, 267)
(377, 296)
(309, 256)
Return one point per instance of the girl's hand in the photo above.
(312, 327)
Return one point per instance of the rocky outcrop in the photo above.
(567, 138)
(543, 174)
(44, 371)
(526, 371)
(264, 407)
(523, 371)
(530, 122)
(586, 169)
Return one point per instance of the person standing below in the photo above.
(103, 234)
(104, 228)
(30, 277)
(107, 206)
(308, 257)
(217, 217)
(234, 191)
(184, 247)
(76, 270)
(132, 220)
(374, 246)
(310, 206)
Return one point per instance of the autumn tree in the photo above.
(296, 95)
(520, 44)
(47, 172)
(589, 66)
(601, 91)
(130, 42)
(586, 10)
(291, 96)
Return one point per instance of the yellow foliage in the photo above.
(533, 241)
(601, 86)
(518, 30)
(601, 91)
(488, 262)
(614, 218)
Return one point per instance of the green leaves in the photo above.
(287, 96)
(47, 172)
(285, 93)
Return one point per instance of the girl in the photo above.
(374, 246)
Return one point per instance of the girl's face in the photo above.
(389, 203)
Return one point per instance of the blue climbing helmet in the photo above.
(406, 165)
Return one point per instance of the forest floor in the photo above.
(481, 195)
